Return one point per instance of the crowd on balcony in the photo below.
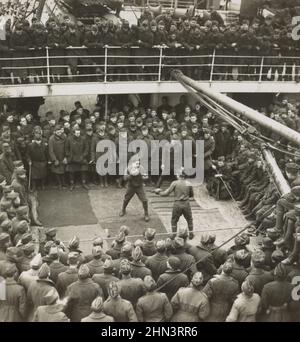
(151, 279)
(189, 37)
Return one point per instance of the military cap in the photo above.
(6, 225)
(51, 232)
(277, 256)
(28, 248)
(241, 255)
(26, 238)
(258, 257)
(174, 262)
(36, 262)
(4, 238)
(227, 267)
(247, 287)
(98, 241)
(137, 253)
(51, 297)
(120, 237)
(97, 304)
(296, 191)
(204, 239)
(22, 226)
(73, 257)
(127, 247)
(138, 242)
(125, 266)
(242, 240)
(150, 283)
(160, 245)
(178, 242)
(149, 233)
(83, 272)
(22, 210)
(183, 232)
(13, 253)
(3, 216)
(44, 271)
(72, 26)
(124, 229)
(10, 270)
(160, 124)
(97, 251)
(5, 145)
(74, 242)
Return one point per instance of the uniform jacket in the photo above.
(259, 278)
(95, 266)
(81, 295)
(120, 309)
(65, 279)
(157, 264)
(56, 268)
(172, 285)
(13, 308)
(50, 313)
(103, 280)
(190, 305)
(244, 309)
(98, 317)
(139, 270)
(27, 278)
(131, 289)
(204, 259)
(154, 307)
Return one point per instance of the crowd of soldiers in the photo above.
(196, 37)
(151, 279)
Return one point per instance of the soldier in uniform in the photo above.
(157, 263)
(183, 191)
(135, 175)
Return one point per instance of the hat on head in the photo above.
(4, 238)
(53, 252)
(74, 242)
(97, 304)
(26, 238)
(51, 232)
(241, 255)
(10, 270)
(22, 227)
(44, 271)
(267, 242)
(125, 266)
(51, 297)
(242, 240)
(120, 237)
(98, 241)
(126, 248)
(277, 256)
(125, 230)
(149, 233)
(28, 248)
(247, 287)
(178, 242)
(137, 253)
(73, 257)
(160, 245)
(183, 232)
(258, 258)
(6, 225)
(36, 262)
(296, 191)
(139, 243)
(150, 283)
(197, 279)
(227, 267)
(174, 262)
(204, 239)
(3, 216)
(83, 272)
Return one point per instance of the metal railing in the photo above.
(111, 64)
